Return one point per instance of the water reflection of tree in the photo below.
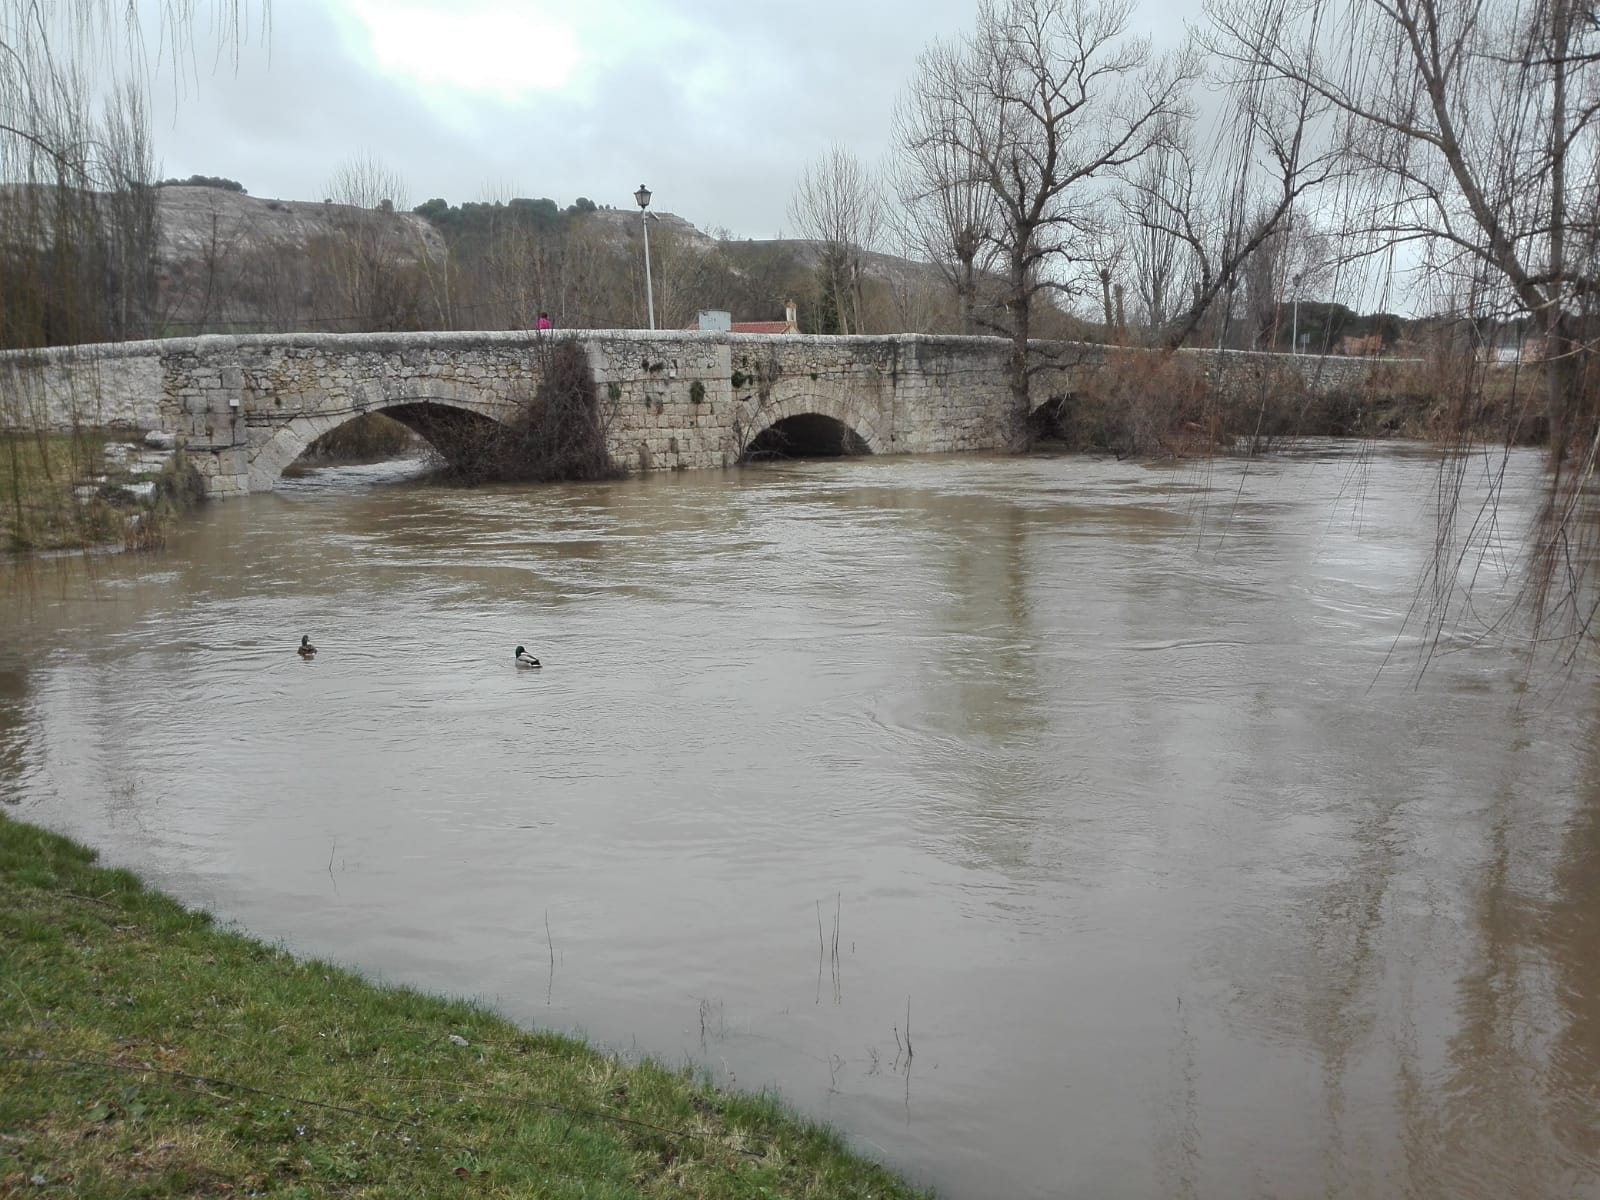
(991, 754)
(1571, 929)
(1478, 1119)
(1516, 1109)
(1029, 714)
(13, 695)
(1441, 965)
(1312, 972)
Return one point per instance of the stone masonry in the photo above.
(246, 407)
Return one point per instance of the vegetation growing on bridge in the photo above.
(559, 432)
(143, 1052)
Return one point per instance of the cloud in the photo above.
(717, 105)
(507, 50)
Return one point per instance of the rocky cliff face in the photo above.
(199, 221)
(621, 224)
(226, 261)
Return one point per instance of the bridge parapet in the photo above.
(247, 406)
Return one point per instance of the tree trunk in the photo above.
(841, 310)
(966, 284)
(1020, 302)
(1560, 383)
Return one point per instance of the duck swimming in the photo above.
(306, 650)
(524, 659)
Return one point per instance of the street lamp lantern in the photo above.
(643, 198)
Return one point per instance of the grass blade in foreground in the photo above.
(144, 1052)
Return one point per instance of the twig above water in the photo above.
(550, 984)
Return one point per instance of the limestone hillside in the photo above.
(199, 221)
(225, 257)
(229, 260)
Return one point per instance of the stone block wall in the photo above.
(246, 407)
(107, 387)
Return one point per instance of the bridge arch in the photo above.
(1050, 419)
(810, 425)
(451, 426)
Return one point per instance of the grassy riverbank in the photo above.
(59, 492)
(37, 475)
(144, 1052)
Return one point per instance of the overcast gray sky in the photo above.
(716, 104)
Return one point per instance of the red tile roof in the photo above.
(761, 327)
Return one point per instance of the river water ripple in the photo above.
(1116, 790)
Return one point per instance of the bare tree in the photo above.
(78, 224)
(1201, 215)
(594, 278)
(947, 210)
(374, 262)
(1290, 252)
(1473, 126)
(48, 49)
(1160, 257)
(689, 276)
(78, 215)
(762, 276)
(1045, 100)
(364, 181)
(836, 203)
(129, 212)
(509, 272)
(219, 265)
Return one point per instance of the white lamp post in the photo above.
(1294, 335)
(643, 197)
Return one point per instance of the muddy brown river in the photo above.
(1052, 827)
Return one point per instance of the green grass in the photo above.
(38, 510)
(144, 1052)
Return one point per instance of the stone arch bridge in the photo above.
(246, 407)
